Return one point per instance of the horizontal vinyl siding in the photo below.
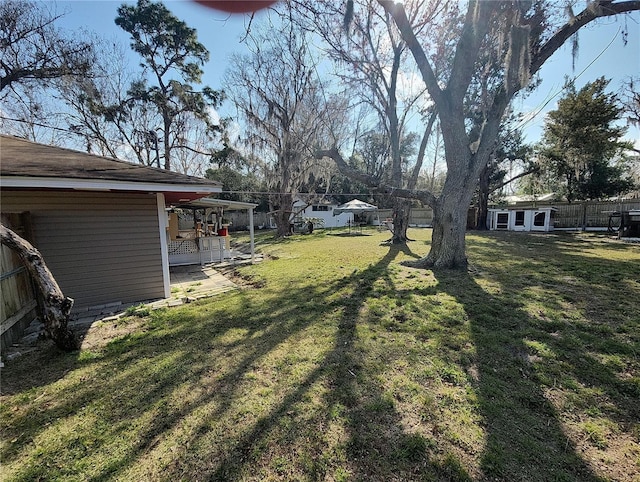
(101, 247)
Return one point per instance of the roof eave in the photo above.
(223, 203)
(29, 182)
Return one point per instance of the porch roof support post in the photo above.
(163, 226)
(251, 235)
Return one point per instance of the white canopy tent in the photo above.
(356, 206)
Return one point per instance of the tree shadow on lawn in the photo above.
(574, 348)
(216, 396)
(172, 402)
(587, 306)
(137, 379)
(524, 438)
(358, 434)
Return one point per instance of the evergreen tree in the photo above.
(173, 56)
(582, 143)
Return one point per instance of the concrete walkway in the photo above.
(188, 284)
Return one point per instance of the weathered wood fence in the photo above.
(587, 214)
(577, 215)
(18, 306)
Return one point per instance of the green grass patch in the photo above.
(339, 363)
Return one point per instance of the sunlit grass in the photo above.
(342, 364)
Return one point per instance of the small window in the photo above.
(519, 218)
(502, 221)
(320, 208)
(538, 219)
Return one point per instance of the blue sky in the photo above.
(601, 50)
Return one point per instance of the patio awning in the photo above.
(213, 203)
(208, 202)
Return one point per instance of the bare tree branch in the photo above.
(594, 10)
(372, 181)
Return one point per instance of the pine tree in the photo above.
(582, 143)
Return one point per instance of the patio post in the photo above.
(251, 237)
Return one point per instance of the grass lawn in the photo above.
(338, 363)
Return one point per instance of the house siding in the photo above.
(102, 248)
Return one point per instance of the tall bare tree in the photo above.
(369, 56)
(517, 37)
(34, 54)
(277, 91)
(33, 49)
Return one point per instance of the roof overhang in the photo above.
(28, 165)
(174, 193)
(207, 202)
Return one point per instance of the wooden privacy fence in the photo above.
(18, 306)
(585, 214)
(240, 220)
(421, 217)
(577, 215)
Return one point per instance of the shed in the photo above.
(100, 223)
(521, 219)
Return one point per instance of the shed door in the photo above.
(519, 221)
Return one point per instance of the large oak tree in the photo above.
(506, 42)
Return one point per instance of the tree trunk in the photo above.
(167, 142)
(448, 238)
(282, 208)
(483, 200)
(54, 306)
(401, 213)
(450, 212)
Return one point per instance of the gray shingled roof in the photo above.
(23, 158)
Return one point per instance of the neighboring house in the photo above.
(521, 219)
(321, 210)
(101, 224)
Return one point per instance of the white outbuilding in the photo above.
(521, 219)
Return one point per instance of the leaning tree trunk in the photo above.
(54, 306)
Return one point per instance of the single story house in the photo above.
(521, 219)
(321, 210)
(101, 224)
